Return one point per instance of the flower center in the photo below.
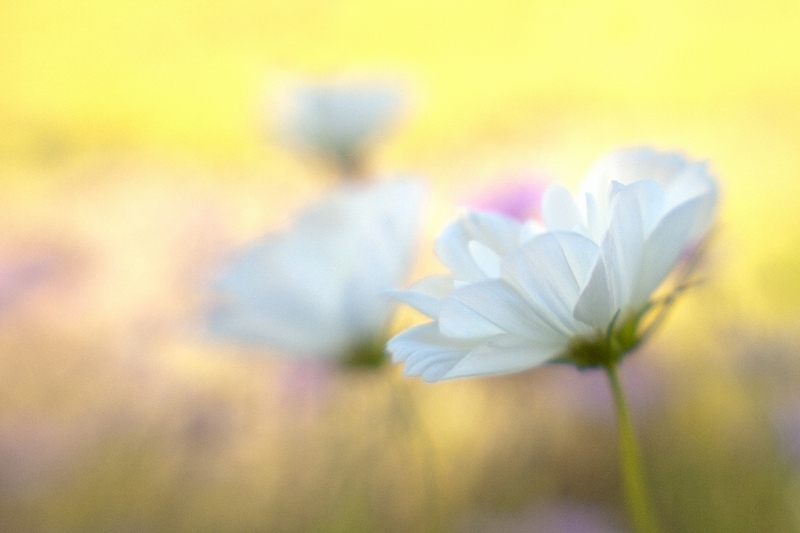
(605, 349)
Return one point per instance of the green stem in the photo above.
(642, 516)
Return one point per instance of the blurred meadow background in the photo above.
(137, 155)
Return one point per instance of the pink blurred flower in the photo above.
(21, 275)
(519, 198)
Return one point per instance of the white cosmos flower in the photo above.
(575, 292)
(338, 120)
(318, 289)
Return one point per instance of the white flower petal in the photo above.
(614, 190)
(486, 259)
(695, 183)
(499, 304)
(426, 294)
(426, 352)
(498, 233)
(579, 252)
(435, 370)
(628, 165)
(664, 247)
(559, 209)
(452, 249)
(549, 271)
(460, 321)
(621, 248)
(530, 229)
(648, 197)
(424, 338)
(595, 306)
(501, 355)
(596, 220)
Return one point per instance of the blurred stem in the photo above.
(414, 421)
(641, 512)
(350, 164)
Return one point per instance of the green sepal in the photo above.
(606, 348)
(367, 354)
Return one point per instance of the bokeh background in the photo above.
(136, 155)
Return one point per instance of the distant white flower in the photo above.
(318, 289)
(519, 297)
(338, 121)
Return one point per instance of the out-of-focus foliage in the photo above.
(135, 160)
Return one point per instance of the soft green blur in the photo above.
(136, 156)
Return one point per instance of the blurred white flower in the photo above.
(338, 121)
(318, 289)
(519, 297)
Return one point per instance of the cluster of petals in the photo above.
(318, 289)
(520, 294)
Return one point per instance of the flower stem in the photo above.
(641, 513)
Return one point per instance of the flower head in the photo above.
(576, 291)
(338, 121)
(318, 289)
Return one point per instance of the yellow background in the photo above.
(546, 85)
